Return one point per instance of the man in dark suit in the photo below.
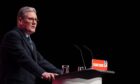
(20, 62)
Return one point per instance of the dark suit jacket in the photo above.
(19, 63)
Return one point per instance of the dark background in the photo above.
(63, 24)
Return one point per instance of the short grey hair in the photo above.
(23, 10)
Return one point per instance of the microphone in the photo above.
(91, 53)
(81, 54)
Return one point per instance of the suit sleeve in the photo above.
(14, 46)
(47, 65)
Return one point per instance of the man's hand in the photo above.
(48, 76)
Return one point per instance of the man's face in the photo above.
(29, 22)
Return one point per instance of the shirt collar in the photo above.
(27, 35)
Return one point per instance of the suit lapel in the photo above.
(28, 44)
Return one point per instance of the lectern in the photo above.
(88, 76)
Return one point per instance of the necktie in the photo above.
(31, 45)
(30, 42)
